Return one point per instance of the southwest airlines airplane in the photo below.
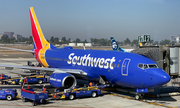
(68, 64)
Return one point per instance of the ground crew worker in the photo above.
(90, 84)
(1, 77)
(21, 81)
(93, 84)
(44, 89)
(55, 95)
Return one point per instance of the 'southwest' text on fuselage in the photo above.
(86, 60)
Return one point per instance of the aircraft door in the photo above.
(125, 65)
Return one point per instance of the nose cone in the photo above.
(161, 77)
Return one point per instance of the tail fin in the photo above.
(115, 46)
(38, 37)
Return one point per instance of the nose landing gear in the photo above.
(140, 93)
(139, 96)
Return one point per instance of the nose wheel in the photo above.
(139, 96)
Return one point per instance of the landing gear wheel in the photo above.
(46, 101)
(137, 96)
(94, 94)
(9, 97)
(71, 96)
(40, 81)
(23, 99)
(34, 103)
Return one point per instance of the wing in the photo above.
(51, 70)
(31, 51)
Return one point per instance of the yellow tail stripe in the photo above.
(42, 57)
(45, 44)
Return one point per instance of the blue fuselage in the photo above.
(120, 68)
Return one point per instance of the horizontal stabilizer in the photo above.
(31, 51)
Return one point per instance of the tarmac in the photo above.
(110, 98)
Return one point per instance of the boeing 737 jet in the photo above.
(68, 64)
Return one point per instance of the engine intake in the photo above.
(65, 80)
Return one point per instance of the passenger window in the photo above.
(106, 64)
(78, 61)
(111, 64)
(115, 65)
(118, 65)
(102, 63)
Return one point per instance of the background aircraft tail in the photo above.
(115, 46)
(37, 34)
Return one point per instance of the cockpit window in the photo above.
(141, 66)
(146, 66)
(153, 66)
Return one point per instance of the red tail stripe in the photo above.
(36, 37)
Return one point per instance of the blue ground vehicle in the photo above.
(4, 76)
(82, 93)
(8, 94)
(35, 98)
(31, 79)
(93, 91)
(30, 95)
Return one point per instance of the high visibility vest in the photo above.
(90, 84)
(44, 89)
(1, 76)
(21, 80)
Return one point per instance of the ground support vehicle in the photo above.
(3, 77)
(8, 94)
(31, 79)
(93, 91)
(35, 98)
(30, 95)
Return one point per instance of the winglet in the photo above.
(38, 37)
(115, 45)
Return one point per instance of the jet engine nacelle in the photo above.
(65, 80)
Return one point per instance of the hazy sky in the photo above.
(87, 19)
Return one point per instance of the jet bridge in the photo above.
(167, 57)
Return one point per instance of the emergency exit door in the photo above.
(125, 65)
